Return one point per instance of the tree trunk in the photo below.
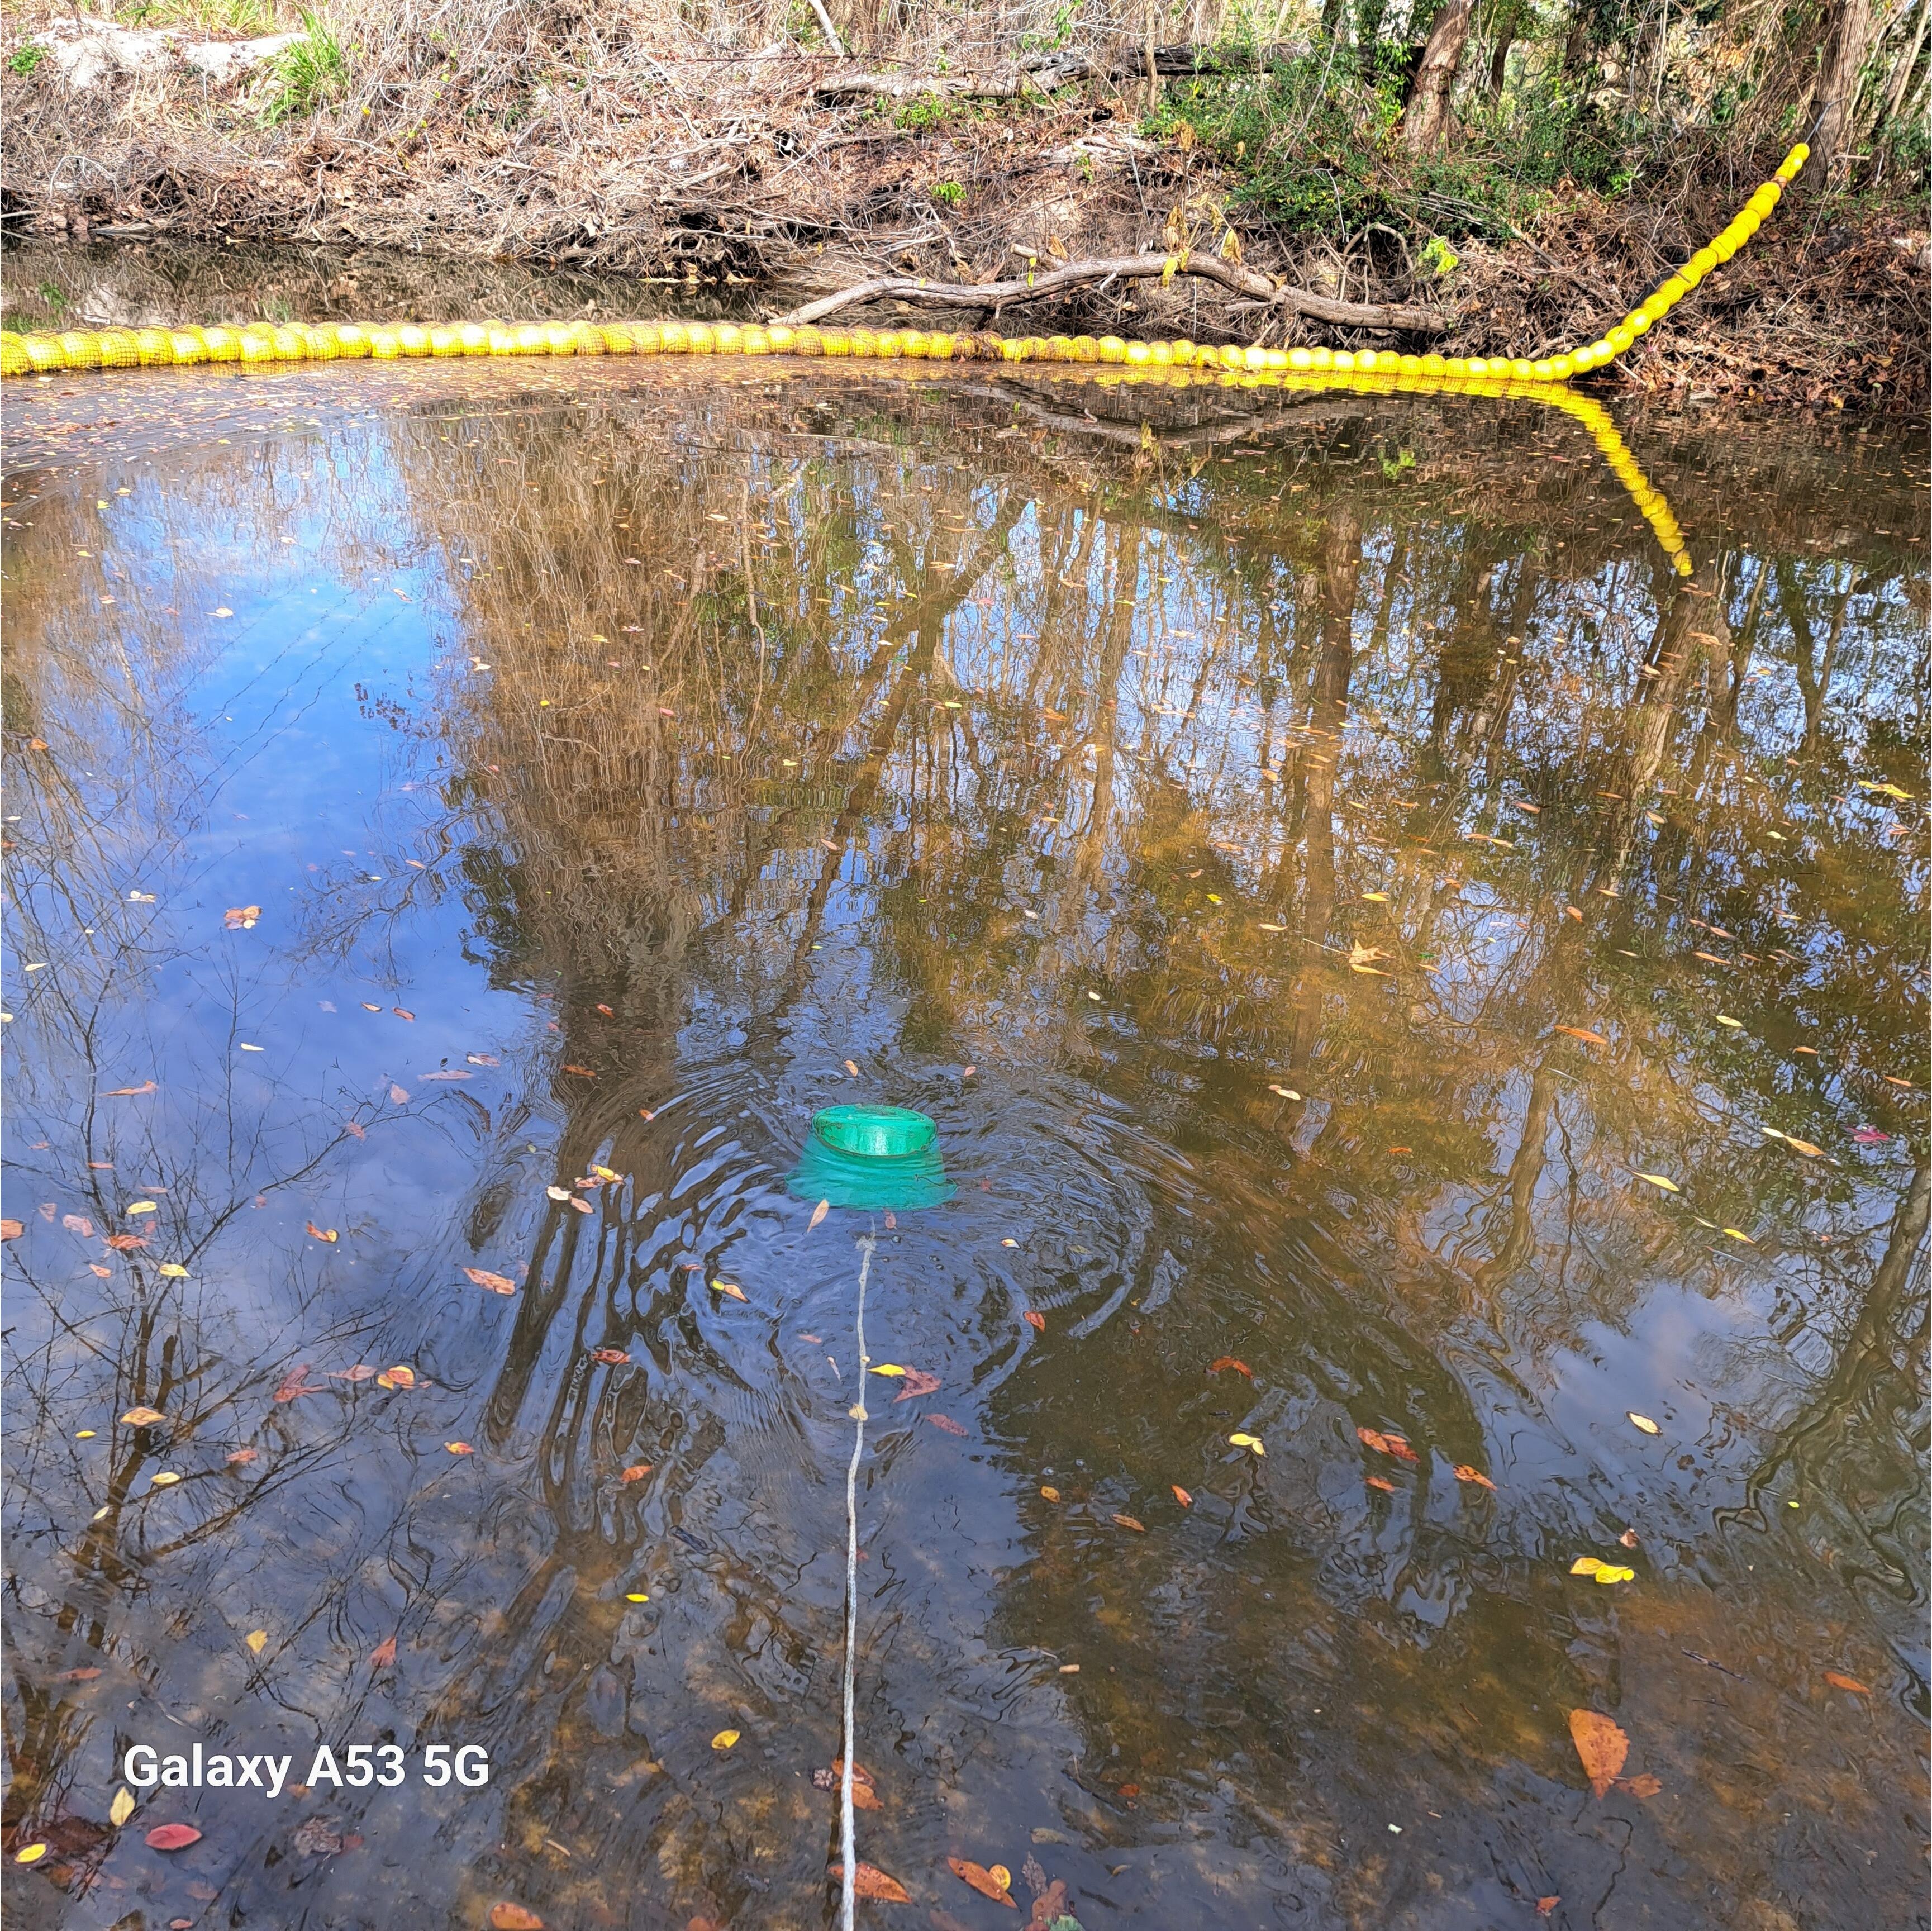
(1425, 124)
(1499, 60)
(1848, 39)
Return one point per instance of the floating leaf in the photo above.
(135, 1207)
(637, 1471)
(1130, 1522)
(79, 1223)
(384, 1654)
(399, 1094)
(888, 1368)
(917, 1382)
(497, 1284)
(122, 1808)
(609, 1357)
(582, 1072)
(30, 1854)
(506, 1916)
(1228, 1361)
(1181, 1495)
(328, 1233)
(11, 1230)
(869, 1881)
(122, 1243)
(257, 1640)
(1377, 1482)
(1640, 1787)
(1851, 1683)
(240, 917)
(172, 1836)
(724, 1739)
(946, 1424)
(729, 1288)
(131, 1092)
(1642, 1422)
(1601, 1745)
(1658, 1180)
(1464, 1473)
(982, 1881)
(818, 1213)
(1051, 1493)
(459, 1448)
(1805, 1147)
(1584, 1034)
(173, 1270)
(1286, 1092)
(1252, 1442)
(143, 1417)
(167, 1479)
(1035, 1320)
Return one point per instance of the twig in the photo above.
(1133, 268)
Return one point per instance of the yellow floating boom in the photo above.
(328, 342)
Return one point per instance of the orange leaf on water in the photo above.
(869, 1881)
(122, 1243)
(1034, 1320)
(1376, 1482)
(383, 1654)
(11, 1230)
(328, 1233)
(1601, 1745)
(611, 1357)
(1181, 1495)
(1464, 1473)
(1129, 1522)
(1545, 1906)
(818, 1213)
(1851, 1683)
(1583, 1032)
(172, 1836)
(131, 1092)
(637, 1471)
(981, 1880)
(506, 1916)
(1228, 1361)
(1640, 1787)
(497, 1284)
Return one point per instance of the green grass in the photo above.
(312, 73)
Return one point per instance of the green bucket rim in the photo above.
(871, 1132)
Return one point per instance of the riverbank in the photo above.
(767, 178)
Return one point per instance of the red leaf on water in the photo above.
(637, 1471)
(294, 1383)
(242, 1457)
(403, 1013)
(172, 1836)
(1228, 1361)
(981, 1880)
(383, 1654)
(1602, 1746)
(504, 1916)
(1036, 1319)
(611, 1357)
(1640, 1787)
(1545, 1906)
(77, 1675)
(869, 1881)
(946, 1422)
(1584, 1034)
(122, 1243)
(497, 1284)
(917, 1382)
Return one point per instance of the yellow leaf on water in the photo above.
(143, 1417)
(174, 1270)
(1051, 1493)
(258, 1640)
(1286, 1092)
(31, 1854)
(1376, 898)
(1744, 1237)
(636, 1596)
(122, 1808)
(165, 1480)
(140, 1206)
(1610, 1572)
(818, 1213)
(1643, 1421)
(888, 1368)
(1252, 1442)
(723, 1739)
(1658, 1180)
(1735, 1025)
(1585, 1565)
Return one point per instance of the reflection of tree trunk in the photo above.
(1426, 122)
(1093, 848)
(1814, 680)
(1341, 564)
(1876, 1350)
(1525, 1169)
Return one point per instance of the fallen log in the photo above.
(1042, 73)
(1394, 316)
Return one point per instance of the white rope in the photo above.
(847, 1846)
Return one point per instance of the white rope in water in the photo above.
(848, 1847)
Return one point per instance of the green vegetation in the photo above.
(948, 193)
(314, 72)
(25, 59)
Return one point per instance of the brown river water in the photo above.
(1311, 856)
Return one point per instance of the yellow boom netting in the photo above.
(328, 342)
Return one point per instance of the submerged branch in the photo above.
(994, 295)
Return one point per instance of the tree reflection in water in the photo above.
(1250, 792)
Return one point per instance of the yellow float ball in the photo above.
(628, 338)
(527, 338)
(1321, 358)
(1562, 367)
(155, 346)
(224, 345)
(412, 340)
(473, 338)
(444, 342)
(1139, 355)
(780, 338)
(1619, 339)
(728, 339)
(1674, 290)
(674, 339)
(14, 360)
(385, 345)
(79, 349)
(836, 342)
(940, 345)
(189, 346)
(1300, 358)
(1112, 349)
(324, 343)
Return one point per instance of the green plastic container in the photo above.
(873, 1158)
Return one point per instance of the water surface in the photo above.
(1311, 856)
